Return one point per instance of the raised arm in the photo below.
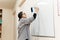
(29, 20)
(22, 3)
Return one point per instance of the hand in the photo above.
(36, 9)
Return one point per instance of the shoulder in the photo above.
(22, 19)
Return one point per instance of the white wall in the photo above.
(56, 18)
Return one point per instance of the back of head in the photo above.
(20, 15)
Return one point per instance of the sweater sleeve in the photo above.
(29, 20)
(34, 15)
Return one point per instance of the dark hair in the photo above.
(20, 15)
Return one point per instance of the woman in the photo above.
(24, 24)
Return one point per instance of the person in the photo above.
(24, 24)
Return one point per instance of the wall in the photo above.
(8, 22)
(7, 3)
(8, 25)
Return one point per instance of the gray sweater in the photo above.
(23, 27)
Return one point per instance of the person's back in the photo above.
(23, 30)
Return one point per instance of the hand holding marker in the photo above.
(35, 9)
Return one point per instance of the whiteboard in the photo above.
(43, 25)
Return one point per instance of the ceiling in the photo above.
(7, 3)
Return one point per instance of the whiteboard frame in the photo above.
(53, 27)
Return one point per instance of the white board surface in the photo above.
(44, 23)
